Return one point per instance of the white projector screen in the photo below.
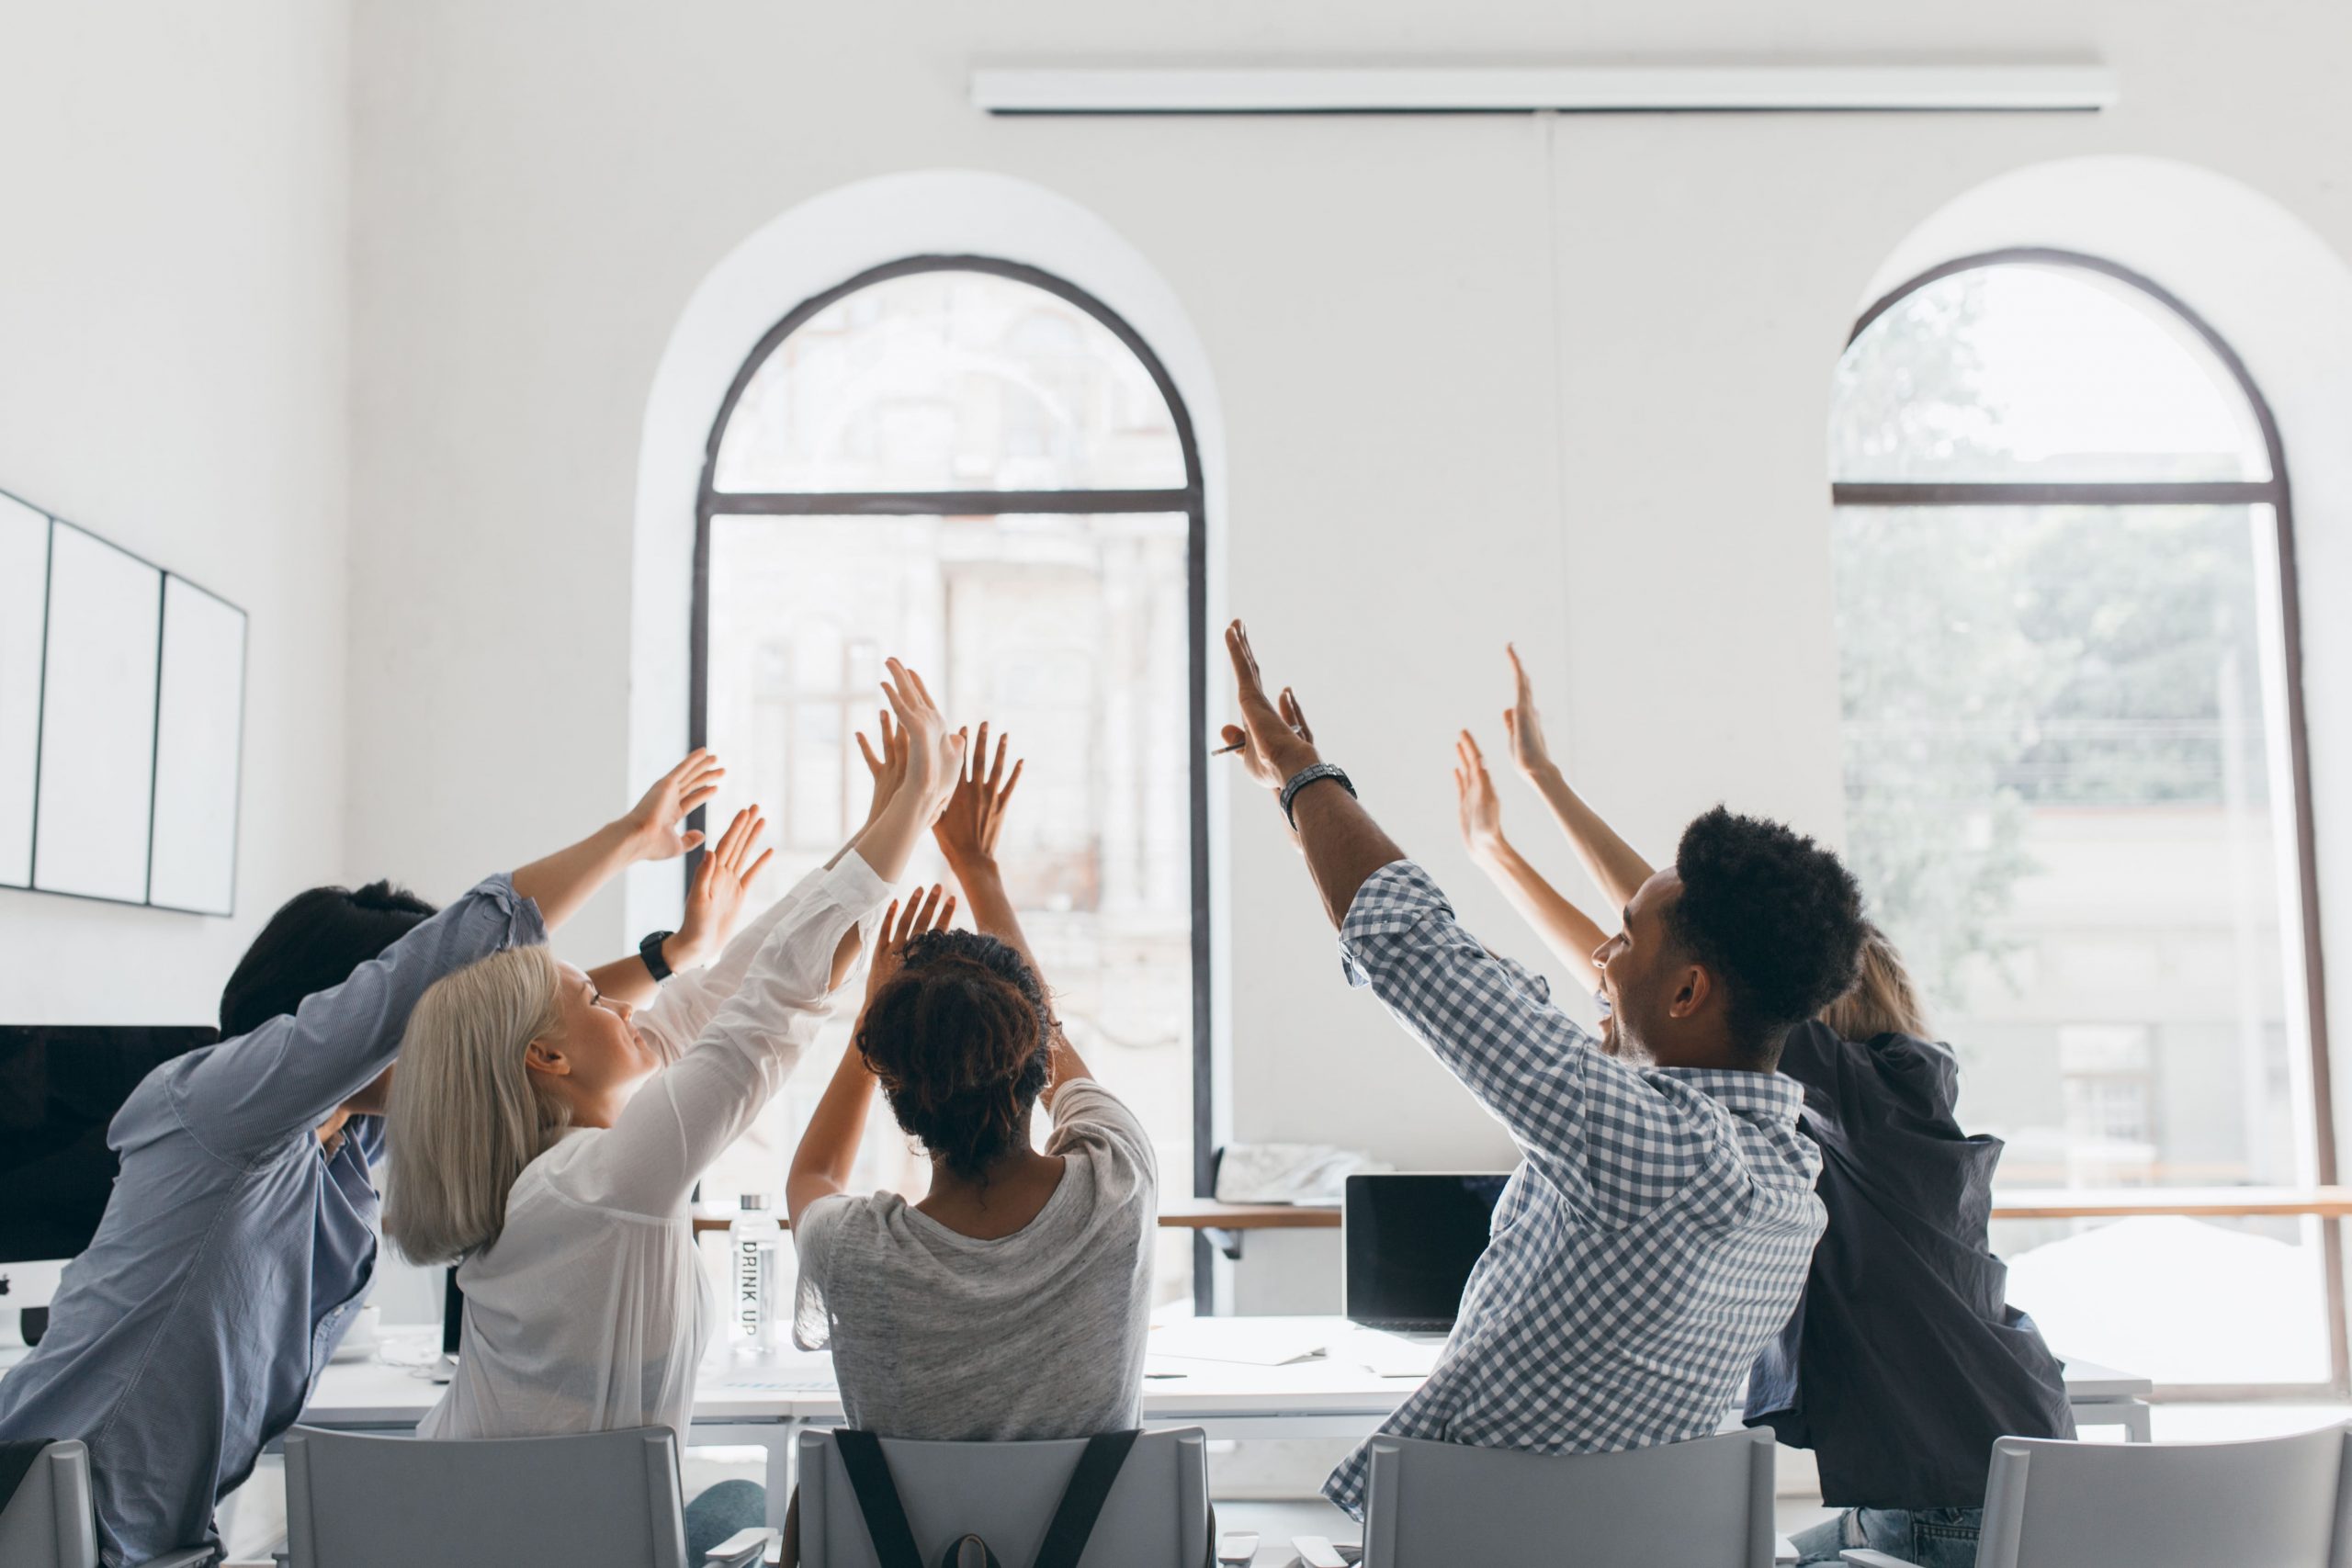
(197, 731)
(98, 729)
(24, 592)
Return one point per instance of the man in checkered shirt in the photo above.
(1658, 1230)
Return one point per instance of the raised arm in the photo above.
(1612, 863)
(296, 1070)
(714, 905)
(967, 833)
(821, 1165)
(1342, 844)
(652, 830)
(693, 1109)
(1567, 930)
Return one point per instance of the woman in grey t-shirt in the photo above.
(1011, 1303)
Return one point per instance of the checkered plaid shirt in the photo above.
(1656, 1232)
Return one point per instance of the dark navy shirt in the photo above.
(1904, 1360)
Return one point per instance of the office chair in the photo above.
(591, 1500)
(1703, 1504)
(1157, 1515)
(50, 1522)
(2282, 1502)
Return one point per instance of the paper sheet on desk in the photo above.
(1249, 1342)
(1389, 1355)
(772, 1381)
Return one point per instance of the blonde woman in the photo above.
(548, 1138)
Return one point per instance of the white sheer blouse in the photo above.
(589, 1312)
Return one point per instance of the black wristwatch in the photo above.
(1307, 775)
(650, 951)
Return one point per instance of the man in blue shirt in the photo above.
(242, 1231)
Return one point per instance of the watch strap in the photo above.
(650, 950)
(1307, 775)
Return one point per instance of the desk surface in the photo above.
(1196, 1369)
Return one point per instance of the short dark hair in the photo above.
(312, 945)
(961, 1041)
(1773, 917)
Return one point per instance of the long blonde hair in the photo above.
(466, 1116)
(1882, 1000)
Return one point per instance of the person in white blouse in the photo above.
(548, 1138)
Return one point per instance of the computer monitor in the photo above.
(60, 1088)
(1410, 1241)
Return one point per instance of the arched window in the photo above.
(977, 467)
(2075, 788)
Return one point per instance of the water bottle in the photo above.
(755, 1248)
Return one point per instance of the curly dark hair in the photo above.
(1773, 917)
(960, 1039)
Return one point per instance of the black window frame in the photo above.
(2276, 493)
(1189, 499)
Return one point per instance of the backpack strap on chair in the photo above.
(1065, 1534)
(877, 1498)
(1081, 1505)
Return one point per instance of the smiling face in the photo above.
(1654, 992)
(595, 1058)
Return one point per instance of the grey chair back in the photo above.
(594, 1500)
(48, 1522)
(1156, 1517)
(1704, 1504)
(2279, 1503)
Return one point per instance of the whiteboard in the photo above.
(98, 726)
(198, 727)
(23, 593)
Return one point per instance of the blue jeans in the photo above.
(719, 1511)
(1933, 1538)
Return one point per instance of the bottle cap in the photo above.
(754, 1199)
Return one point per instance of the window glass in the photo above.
(2069, 792)
(2022, 374)
(1070, 635)
(949, 380)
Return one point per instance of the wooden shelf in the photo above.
(2208, 1202)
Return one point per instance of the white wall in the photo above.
(173, 334)
(1564, 381)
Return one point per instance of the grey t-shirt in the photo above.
(1036, 1334)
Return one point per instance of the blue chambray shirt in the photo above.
(234, 1248)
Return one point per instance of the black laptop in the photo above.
(1411, 1240)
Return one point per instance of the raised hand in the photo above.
(1274, 738)
(920, 915)
(656, 824)
(889, 769)
(1482, 813)
(1522, 723)
(714, 901)
(935, 753)
(968, 829)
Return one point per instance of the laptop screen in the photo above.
(1411, 1241)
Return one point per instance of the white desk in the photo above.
(1335, 1395)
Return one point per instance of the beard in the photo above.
(1618, 1044)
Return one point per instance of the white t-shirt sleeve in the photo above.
(812, 1244)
